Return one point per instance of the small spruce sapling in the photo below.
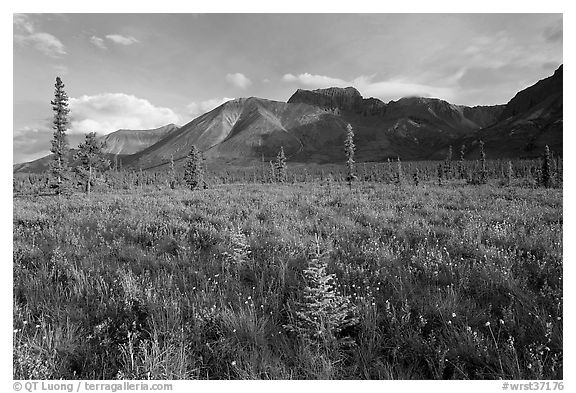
(349, 149)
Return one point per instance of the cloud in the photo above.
(105, 113)
(22, 22)
(122, 40)
(196, 109)
(315, 81)
(99, 42)
(239, 80)
(42, 41)
(554, 33)
(385, 90)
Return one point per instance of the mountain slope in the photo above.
(133, 141)
(118, 145)
(529, 121)
(247, 129)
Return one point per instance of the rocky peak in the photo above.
(333, 97)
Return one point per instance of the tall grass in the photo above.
(456, 282)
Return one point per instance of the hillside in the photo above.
(247, 129)
(133, 141)
(311, 127)
(529, 121)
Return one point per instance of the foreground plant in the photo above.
(323, 314)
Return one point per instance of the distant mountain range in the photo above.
(132, 141)
(311, 127)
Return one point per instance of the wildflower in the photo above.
(233, 363)
(501, 322)
(453, 315)
(487, 324)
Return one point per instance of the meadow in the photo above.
(451, 281)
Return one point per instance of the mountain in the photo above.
(532, 119)
(311, 127)
(247, 129)
(132, 141)
(42, 164)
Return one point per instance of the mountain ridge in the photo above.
(312, 123)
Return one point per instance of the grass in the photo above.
(450, 282)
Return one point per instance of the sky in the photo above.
(142, 71)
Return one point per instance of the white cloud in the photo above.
(122, 40)
(42, 41)
(386, 90)
(239, 80)
(99, 42)
(315, 81)
(196, 109)
(23, 23)
(105, 113)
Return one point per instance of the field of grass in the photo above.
(443, 282)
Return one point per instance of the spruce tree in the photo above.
(271, 173)
(398, 179)
(547, 173)
(559, 171)
(448, 163)
(461, 162)
(349, 149)
(509, 174)
(173, 179)
(280, 169)
(417, 177)
(323, 313)
(193, 172)
(483, 178)
(91, 160)
(59, 168)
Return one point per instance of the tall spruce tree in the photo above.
(509, 174)
(91, 160)
(448, 164)
(547, 172)
(483, 176)
(398, 179)
(173, 179)
(280, 169)
(461, 162)
(349, 149)
(193, 172)
(59, 168)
